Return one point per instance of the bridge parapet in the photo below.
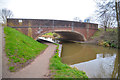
(13, 22)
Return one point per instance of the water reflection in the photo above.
(96, 61)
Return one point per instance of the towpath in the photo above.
(39, 68)
(1, 50)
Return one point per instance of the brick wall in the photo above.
(31, 27)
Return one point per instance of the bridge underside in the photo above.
(71, 36)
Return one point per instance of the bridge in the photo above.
(70, 30)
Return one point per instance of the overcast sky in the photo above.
(50, 9)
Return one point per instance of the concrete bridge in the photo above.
(71, 30)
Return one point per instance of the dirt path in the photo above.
(39, 68)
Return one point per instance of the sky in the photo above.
(50, 9)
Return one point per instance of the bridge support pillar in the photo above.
(30, 32)
(87, 30)
(53, 25)
(72, 26)
(19, 29)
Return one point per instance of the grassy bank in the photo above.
(51, 34)
(97, 33)
(108, 38)
(60, 70)
(20, 49)
(101, 30)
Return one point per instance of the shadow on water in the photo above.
(96, 61)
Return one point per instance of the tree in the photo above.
(106, 14)
(4, 14)
(117, 7)
(117, 13)
(107, 21)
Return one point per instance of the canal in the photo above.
(96, 61)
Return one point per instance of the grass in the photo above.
(20, 49)
(11, 68)
(100, 30)
(97, 33)
(108, 39)
(112, 30)
(51, 34)
(60, 70)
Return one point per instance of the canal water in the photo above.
(96, 61)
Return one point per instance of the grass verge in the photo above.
(108, 38)
(52, 35)
(60, 70)
(97, 33)
(20, 49)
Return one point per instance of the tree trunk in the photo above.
(118, 25)
(118, 22)
(105, 28)
(6, 21)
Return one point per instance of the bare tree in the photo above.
(106, 14)
(107, 21)
(117, 7)
(5, 13)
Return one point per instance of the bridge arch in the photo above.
(71, 35)
(68, 35)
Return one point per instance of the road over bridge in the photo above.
(71, 30)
